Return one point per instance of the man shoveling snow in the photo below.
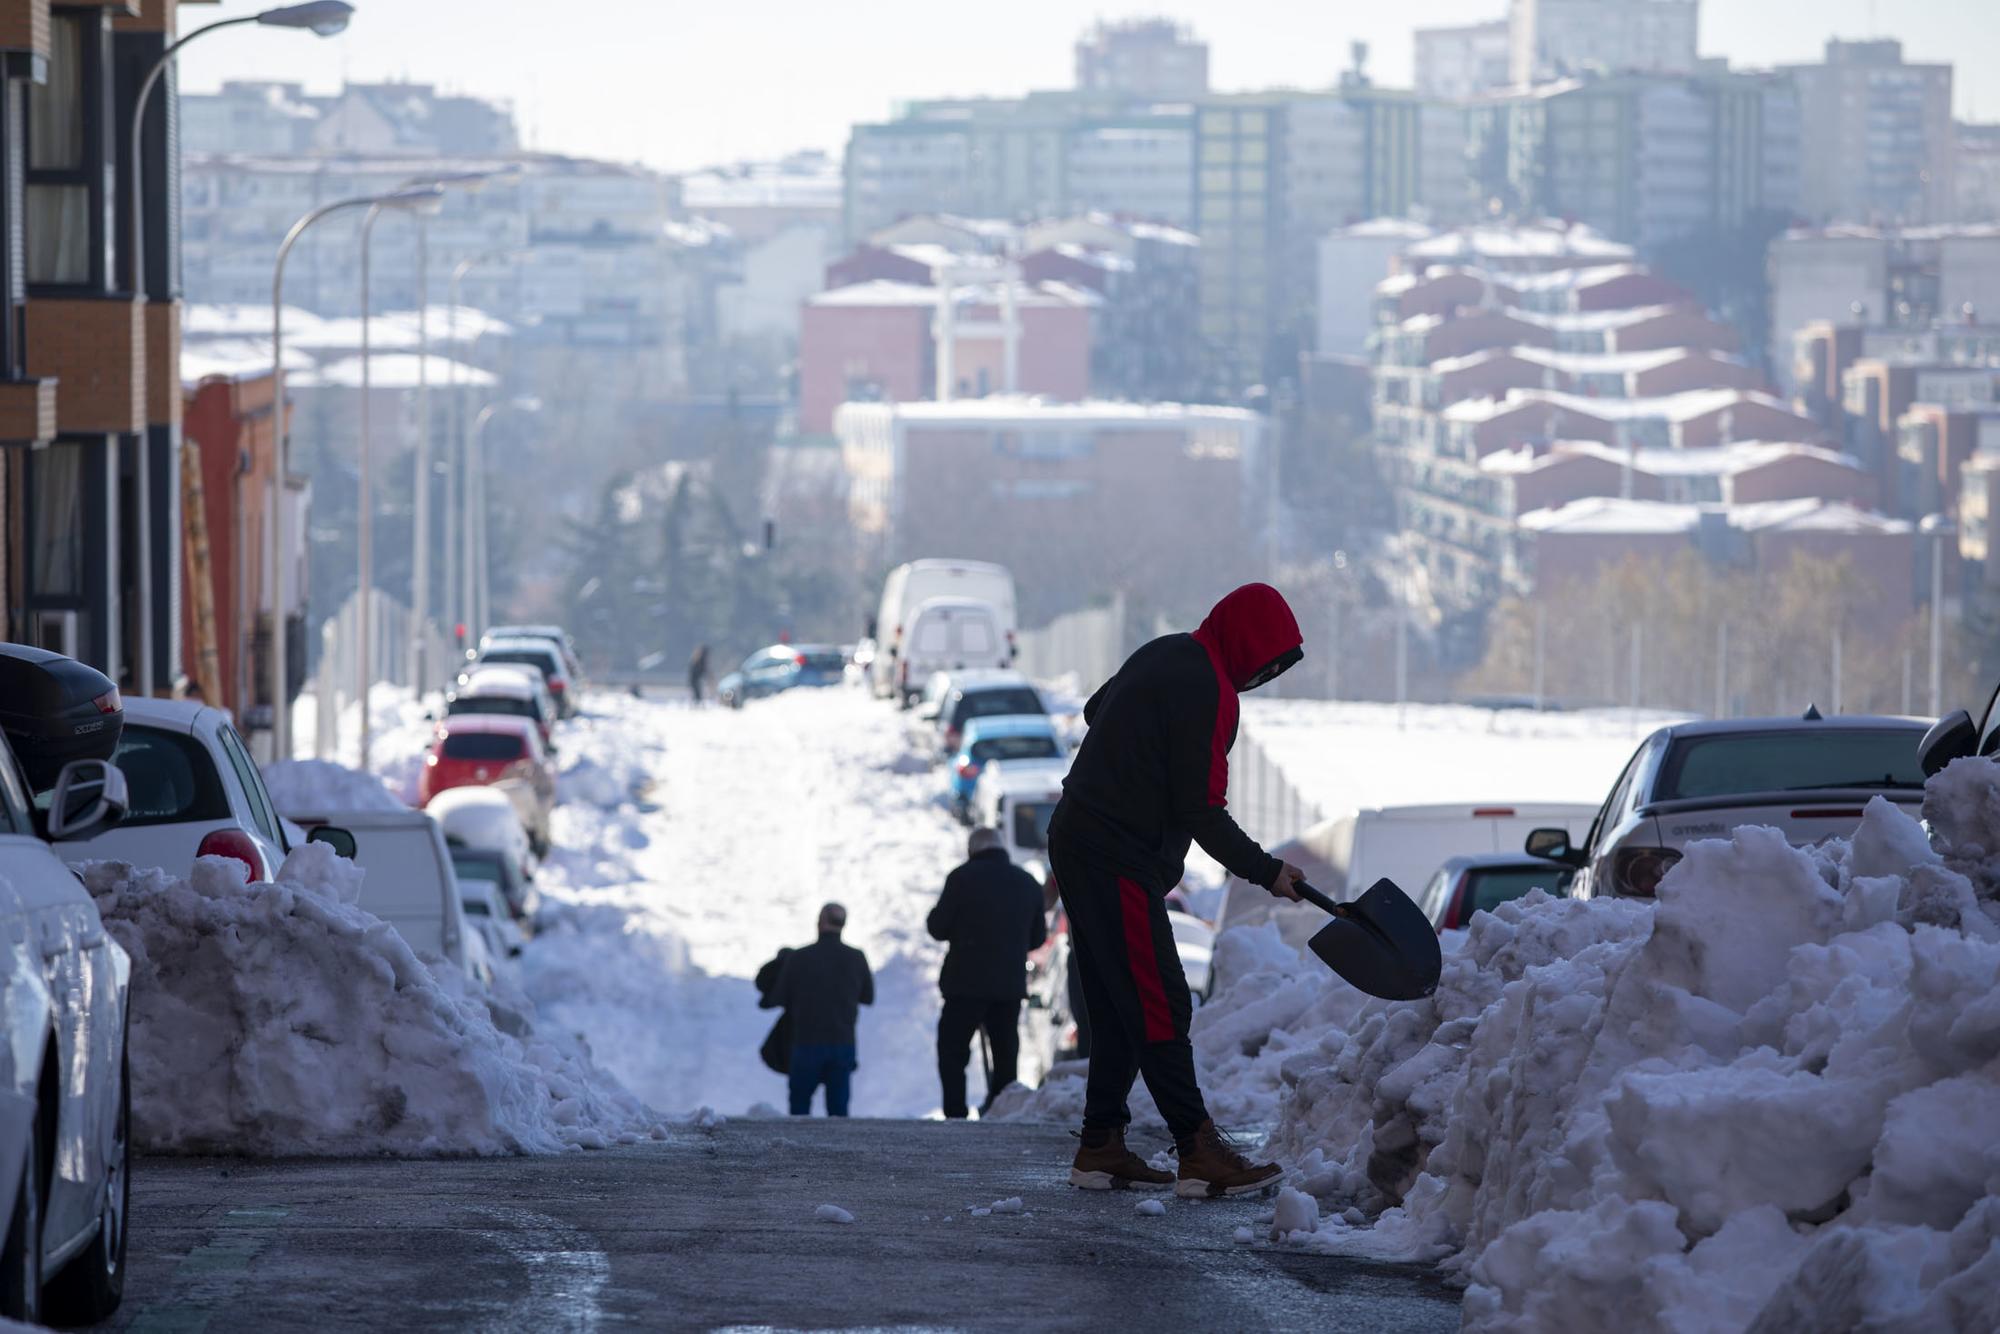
(1152, 777)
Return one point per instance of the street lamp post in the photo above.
(1937, 527)
(457, 599)
(321, 17)
(281, 729)
(478, 586)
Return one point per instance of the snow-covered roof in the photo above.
(1028, 410)
(1712, 461)
(1812, 515)
(1610, 514)
(1386, 227)
(1591, 321)
(1548, 241)
(812, 182)
(391, 370)
(887, 292)
(1563, 280)
(1685, 406)
(236, 359)
(1578, 363)
(239, 320)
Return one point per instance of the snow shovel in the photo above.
(1381, 943)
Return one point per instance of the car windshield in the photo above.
(1800, 759)
(994, 703)
(169, 777)
(1014, 748)
(1491, 888)
(1031, 823)
(483, 746)
(470, 864)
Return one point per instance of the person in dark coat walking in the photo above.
(821, 988)
(991, 915)
(1151, 777)
(697, 671)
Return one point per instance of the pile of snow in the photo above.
(400, 727)
(1769, 1100)
(278, 1019)
(315, 787)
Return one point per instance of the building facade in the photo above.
(1878, 144)
(1463, 62)
(1556, 39)
(1151, 58)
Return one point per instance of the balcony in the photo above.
(95, 349)
(27, 412)
(24, 33)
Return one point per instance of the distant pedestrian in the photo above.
(821, 988)
(697, 671)
(991, 914)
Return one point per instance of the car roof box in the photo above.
(55, 709)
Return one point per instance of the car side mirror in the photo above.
(340, 840)
(90, 796)
(1553, 845)
(1952, 737)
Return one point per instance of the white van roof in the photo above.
(956, 605)
(1015, 776)
(952, 563)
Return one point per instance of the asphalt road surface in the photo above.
(715, 1230)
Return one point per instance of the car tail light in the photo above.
(968, 770)
(799, 659)
(1640, 870)
(109, 702)
(558, 686)
(233, 843)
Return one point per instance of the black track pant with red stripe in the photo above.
(1134, 991)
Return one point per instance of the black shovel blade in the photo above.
(1382, 944)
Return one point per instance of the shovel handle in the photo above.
(1319, 900)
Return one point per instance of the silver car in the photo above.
(1807, 777)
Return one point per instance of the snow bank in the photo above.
(316, 787)
(279, 1019)
(1767, 1102)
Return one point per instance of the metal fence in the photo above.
(1089, 643)
(390, 661)
(1266, 803)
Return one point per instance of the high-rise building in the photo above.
(1878, 138)
(1152, 58)
(1554, 39)
(1461, 62)
(265, 117)
(1978, 173)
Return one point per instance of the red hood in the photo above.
(1249, 630)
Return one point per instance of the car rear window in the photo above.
(1031, 823)
(490, 704)
(995, 703)
(170, 778)
(482, 746)
(1492, 888)
(1795, 760)
(543, 660)
(1015, 748)
(474, 865)
(832, 661)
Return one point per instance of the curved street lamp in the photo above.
(478, 585)
(281, 729)
(322, 17)
(458, 600)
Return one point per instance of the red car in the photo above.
(494, 750)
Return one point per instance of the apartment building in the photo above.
(1152, 58)
(1465, 61)
(1555, 39)
(1878, 138)
(90, 406)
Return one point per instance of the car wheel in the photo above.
(90, 1287)
(21, 1258)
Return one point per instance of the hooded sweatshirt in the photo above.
(1153, 773)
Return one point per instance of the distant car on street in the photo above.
(1466, 885)
(911, 585)
(409, 881)
(509, 691)
(1018, 801)
(193, 791)
(1807, 777)
(554, 634)
(488, 750)
(967, 695)
(782, 667)
(950, 635)
(540, 654)
(1016, 740)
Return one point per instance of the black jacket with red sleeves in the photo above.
(1153, 773)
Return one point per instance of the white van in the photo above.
(1342, 857)
(949, 635)
(409, 883)
(1015, 798)
(909, 586)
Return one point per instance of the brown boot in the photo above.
(1112, 1166)
(1211, 1167)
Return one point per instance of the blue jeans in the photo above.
(816, 1063)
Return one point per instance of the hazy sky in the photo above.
(684, 84)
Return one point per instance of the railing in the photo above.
(1265, 802)
(1088, 644)
(334, 682)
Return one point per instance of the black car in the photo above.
(1466, 885)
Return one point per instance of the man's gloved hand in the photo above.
(1288, 876)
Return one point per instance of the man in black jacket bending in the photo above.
(1152, 776)
(991, 915)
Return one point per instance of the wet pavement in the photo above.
(715, 1229)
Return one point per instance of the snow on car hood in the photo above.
(1772, 1094)
(279, 1019)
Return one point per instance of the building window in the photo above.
(56, 519)
(58, 221)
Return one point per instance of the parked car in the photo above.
(1343, 856)
(488, 916)
(515, 882)
(1011, 738)
(1955, 736)
(488, 750)
(1466, 885)
(1194, 942)
(1807, 777)
(554, 634)
(65, 1100)
(908, 587)
(949, 635)
(782, 667)
(506, 691)
(193, 791)
(540, 654)
(967, 695)
(486, 839)
(409, 883)
(1018, 801)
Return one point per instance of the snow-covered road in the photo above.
(695, 842)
